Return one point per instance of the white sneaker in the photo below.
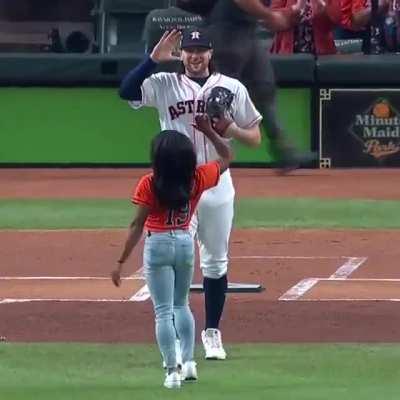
(178, 354)
(173, 380)
(189, 371)
(212, 343)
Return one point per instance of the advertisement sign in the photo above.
(359, 127)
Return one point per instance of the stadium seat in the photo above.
(120, 23)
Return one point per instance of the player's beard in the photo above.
(197, 73)
(197, 70)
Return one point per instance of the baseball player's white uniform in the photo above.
(178, 99)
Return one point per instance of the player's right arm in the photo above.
(143, 197)
(222, 146)
(131, 85)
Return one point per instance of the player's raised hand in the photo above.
(165, 48)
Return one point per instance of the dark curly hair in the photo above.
(174, 164)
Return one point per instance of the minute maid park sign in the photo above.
(378, 129)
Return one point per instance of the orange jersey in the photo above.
(161, 219)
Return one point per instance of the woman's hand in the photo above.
(203, 124)
(209, 127)
(164, 50)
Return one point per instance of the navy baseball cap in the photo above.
(195, 38)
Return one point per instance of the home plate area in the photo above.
(25, 289)
(282, 276)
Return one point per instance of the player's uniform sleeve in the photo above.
(207, 176)
(152, 88)
(143, 194)
(245, 113)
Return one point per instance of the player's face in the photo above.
(196, 61)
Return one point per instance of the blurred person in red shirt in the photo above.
(309, 26)
(356, 14)
(392, 27)
(360, 21)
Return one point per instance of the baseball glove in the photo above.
(219, 102)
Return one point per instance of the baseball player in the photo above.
(166, 201)
(179, 97)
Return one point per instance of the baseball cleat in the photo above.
(212, 343)
(173, 380)
(189, 371)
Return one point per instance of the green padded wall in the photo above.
(92, 125)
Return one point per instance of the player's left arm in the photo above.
(135, 233)
(245, 123)
(250, 136)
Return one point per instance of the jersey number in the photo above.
(178, 217)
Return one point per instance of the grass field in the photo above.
(250, 213)
(121, 372)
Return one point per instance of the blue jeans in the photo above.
(168, 260)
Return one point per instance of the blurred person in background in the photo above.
(361, 20)
(309, 26)
(392, 27)
(239, 53)
(361, 12)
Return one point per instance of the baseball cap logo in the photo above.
(195, 38)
